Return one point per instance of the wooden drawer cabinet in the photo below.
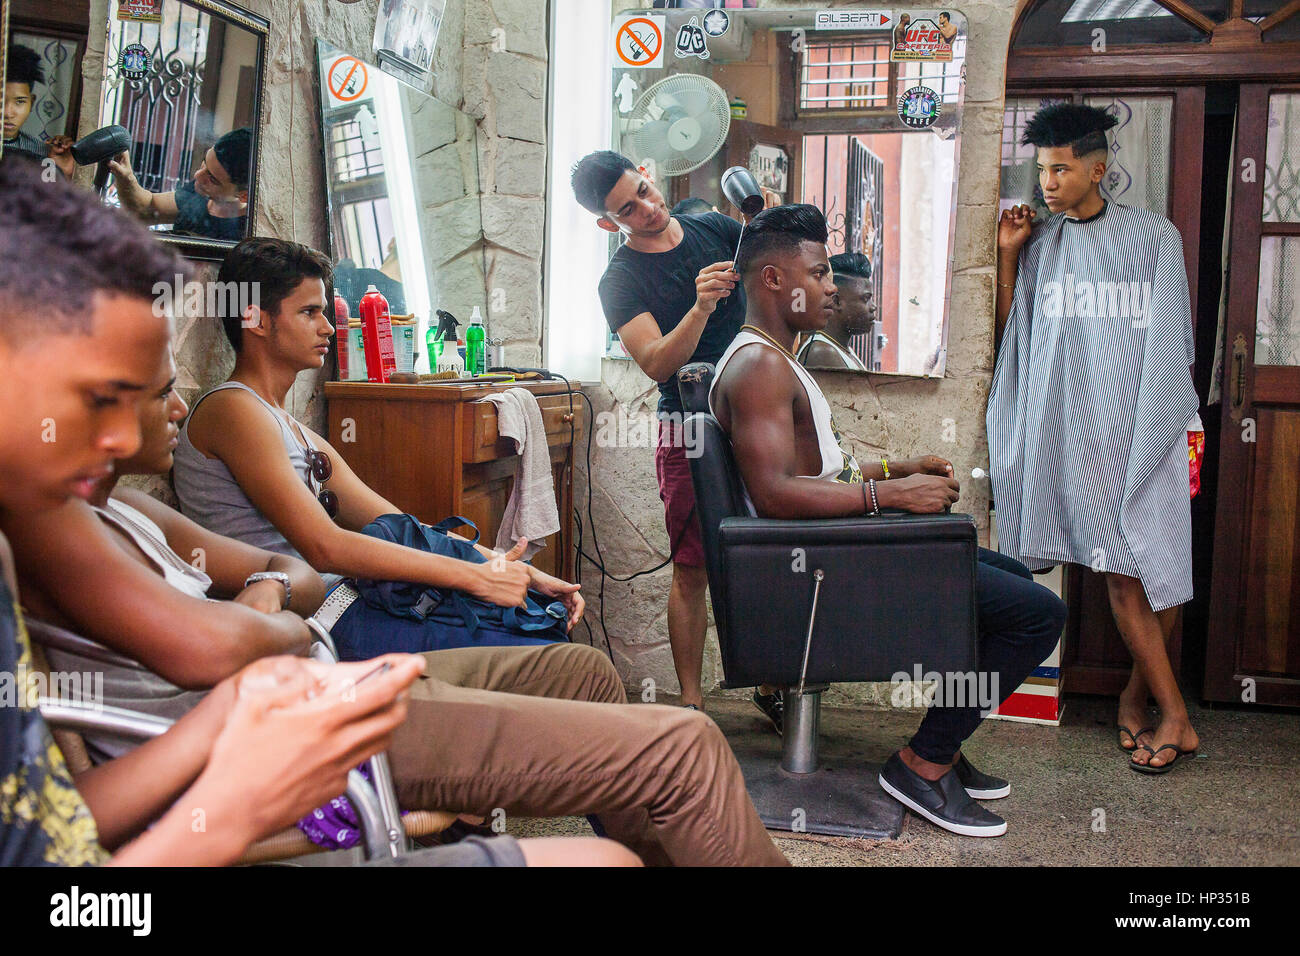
(434, 451)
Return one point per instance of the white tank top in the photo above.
(150, 539)
(837, 463)
(850, 360)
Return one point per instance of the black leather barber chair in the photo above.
(804, 604)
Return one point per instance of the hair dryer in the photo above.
(742, 191)
(99, 147)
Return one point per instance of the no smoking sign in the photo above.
(347, 79)
(639, 41)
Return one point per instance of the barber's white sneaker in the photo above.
(944, 802)
(980, 785)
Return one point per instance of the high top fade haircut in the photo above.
(24, 66)
(278, 266)
(851, 265)
(780, 229)
(60, 246)
(1082, 128)
(595, 175)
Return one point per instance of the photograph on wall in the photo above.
(407, 30)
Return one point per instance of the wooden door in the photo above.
(1253, 650)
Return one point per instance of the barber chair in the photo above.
(804, 604)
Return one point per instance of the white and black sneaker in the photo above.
(944, 802)
(980, 785)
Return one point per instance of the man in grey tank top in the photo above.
(765, 408)
(247, 469)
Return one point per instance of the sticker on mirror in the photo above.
(852, 19)
(347, 79)
(639, 41)
(133, 63)
(919, 107)
(691, 41)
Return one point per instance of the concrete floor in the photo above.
(1237, 803)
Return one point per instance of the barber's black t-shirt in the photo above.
(663, 284)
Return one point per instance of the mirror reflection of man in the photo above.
(22, 75)
(853, 314)
(671, 297)
(214, 203)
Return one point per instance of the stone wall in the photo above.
(878, 415)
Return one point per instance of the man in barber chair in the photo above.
(793, 465)
(213, 203)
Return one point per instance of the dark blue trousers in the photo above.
(1020, 622)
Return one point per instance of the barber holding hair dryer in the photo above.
(672, 297)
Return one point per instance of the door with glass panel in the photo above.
(1253, 651)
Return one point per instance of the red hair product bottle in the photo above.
(377, 333)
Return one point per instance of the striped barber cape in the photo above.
(1090, 402)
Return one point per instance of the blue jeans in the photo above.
(364, 632)
(1020, 622)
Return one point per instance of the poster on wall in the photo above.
(141, 11)
(923, 35)
(406, 33)
(770, 166)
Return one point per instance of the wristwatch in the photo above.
(271, 576)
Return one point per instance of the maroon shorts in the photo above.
(678, 495)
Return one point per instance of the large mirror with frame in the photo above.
(401, 174)
(855, 111)
(172, 114)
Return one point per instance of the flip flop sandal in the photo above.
(1163, 768)
(1132, 736)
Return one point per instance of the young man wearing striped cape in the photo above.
(1091, 397)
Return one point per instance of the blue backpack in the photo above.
(542, 618)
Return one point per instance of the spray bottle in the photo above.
(435, 340)
(377, 331)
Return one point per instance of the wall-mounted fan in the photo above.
(680, 122)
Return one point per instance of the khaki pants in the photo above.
(546, 731)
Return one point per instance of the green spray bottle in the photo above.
(435, 339)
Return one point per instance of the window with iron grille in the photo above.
(350, 155)
(847, 74)
(855, 74)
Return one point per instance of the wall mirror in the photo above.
(180, 79)
(857, 111)
(184, 78)
(401, 173)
